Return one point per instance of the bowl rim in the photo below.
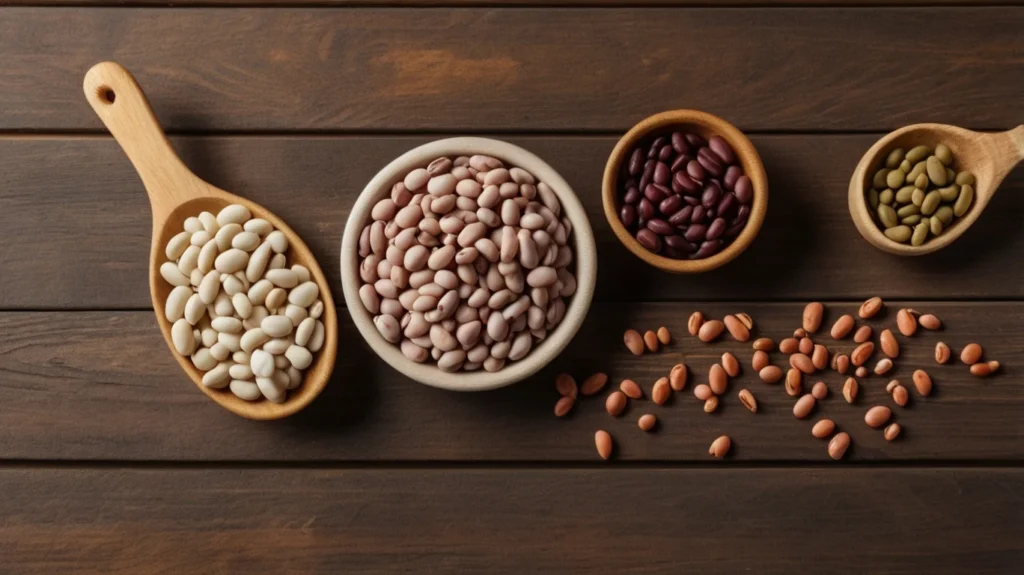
(585, 256)
(749, 160)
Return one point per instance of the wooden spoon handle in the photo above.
(118, 100)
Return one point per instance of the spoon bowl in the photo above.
(989, 156)
(175, 193)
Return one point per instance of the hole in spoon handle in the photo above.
(118, 100)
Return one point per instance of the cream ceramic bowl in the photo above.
(585, 252)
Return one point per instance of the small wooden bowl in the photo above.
(705, 125)
(584, 248)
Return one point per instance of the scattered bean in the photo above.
(603, 442)
(720, 447)
(730, 364)
(823, 428)
(615, 404)
(922, 382)
(942, 353)
(838, 445)
(877, 416)
(906, 322)
(900, 395)
(661, 391)
(564, 405)
(819, 390)
(711, 404)
(647, 421)
(677, 377)
(631, 389)
(971, 354)
(710, 330)
(803, 407)
(748, 400)
(850, 389)
(634, 342)
(651, 341)
(594, 383)
(566, 385)
(869, 308)
(794, 382)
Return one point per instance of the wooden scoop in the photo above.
(990, 157)
(175, 193)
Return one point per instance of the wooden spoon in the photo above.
(990, 157)
(175, 193)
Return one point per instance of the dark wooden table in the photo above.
(111, 460)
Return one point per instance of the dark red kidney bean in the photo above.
(709, 214)
(661, 173)
(731, 175)
(676, 241)
(682, 183)
(681, 217)
(694, 140)
(679, 142)
(674, 253)
(734, 230)
(671, 204)
(627, 215)
(646, 209)
(641, 223)
(649, 240)
(711, 194)
(649, 169)
(716, 228)
(696, 232)
(644, 182)
(706, 158)
(660, 227)
(699, 213)
(695, 170)
(632, 195)
(691, 200)
(744, 190)
(666, 152)
(655, 193)
(707, 249)
(636, 162)
(680, 162)
(725, 204)
(722, 149)
(742, 214)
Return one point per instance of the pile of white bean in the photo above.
(243, 317)
(467, 263)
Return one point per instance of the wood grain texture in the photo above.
(927, 521)
(520, 68)
(98, 385)
(75, 224)
(504, 3)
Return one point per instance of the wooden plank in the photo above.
(851, 520)
(99, 385)
(505, 3)
(74, 221)
(520, 68)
